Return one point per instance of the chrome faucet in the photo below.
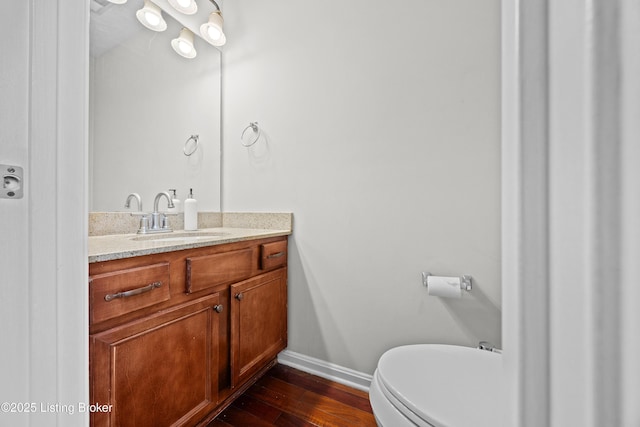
(159, 222)
(144, 218)
(135, 196)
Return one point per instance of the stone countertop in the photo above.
(118, 246)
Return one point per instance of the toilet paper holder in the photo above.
(465, 281)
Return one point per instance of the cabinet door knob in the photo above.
(239, 296)
(218, 308)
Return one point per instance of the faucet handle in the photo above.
(144, 224)
(144, 221)
(164, 222)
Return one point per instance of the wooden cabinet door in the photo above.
(157, 371)
(258, 323)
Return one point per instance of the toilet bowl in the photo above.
(438, 386)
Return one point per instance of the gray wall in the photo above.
(381, 133)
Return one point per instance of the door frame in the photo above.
(570, 102)
(57, 209)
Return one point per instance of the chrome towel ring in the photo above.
(254, 127)
(190, 150)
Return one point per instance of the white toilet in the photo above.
(438, 386)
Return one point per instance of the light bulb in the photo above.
(214, 33)
(151, 18)
(211, 30)
(184, 47)
(188, 7)
(183, 44)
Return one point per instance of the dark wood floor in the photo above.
(288, 397)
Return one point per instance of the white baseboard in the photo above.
(330, 371)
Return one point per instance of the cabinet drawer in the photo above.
(211, 270)
(116, 293)
(273, 255)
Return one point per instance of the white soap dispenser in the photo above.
(177, 206)
(190, 212)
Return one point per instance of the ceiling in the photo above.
(112, 24)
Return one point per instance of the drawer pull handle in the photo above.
(125, 294)
(218, 308)
(239, 296)
(276, 255)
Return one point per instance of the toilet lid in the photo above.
(445, 385)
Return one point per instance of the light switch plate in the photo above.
(12, 184)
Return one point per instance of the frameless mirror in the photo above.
(146, 103)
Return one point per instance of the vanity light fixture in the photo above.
(211, 30)
(188, 7)
(183, 44)
(151, 17)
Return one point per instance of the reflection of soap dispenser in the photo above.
(190, 212)
(176, 202)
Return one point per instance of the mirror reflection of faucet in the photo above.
(157, 222)
(138, 199)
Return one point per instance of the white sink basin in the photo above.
(187, 236)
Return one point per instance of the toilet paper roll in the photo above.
(446, 287)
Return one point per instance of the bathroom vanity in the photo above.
(180, 328)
